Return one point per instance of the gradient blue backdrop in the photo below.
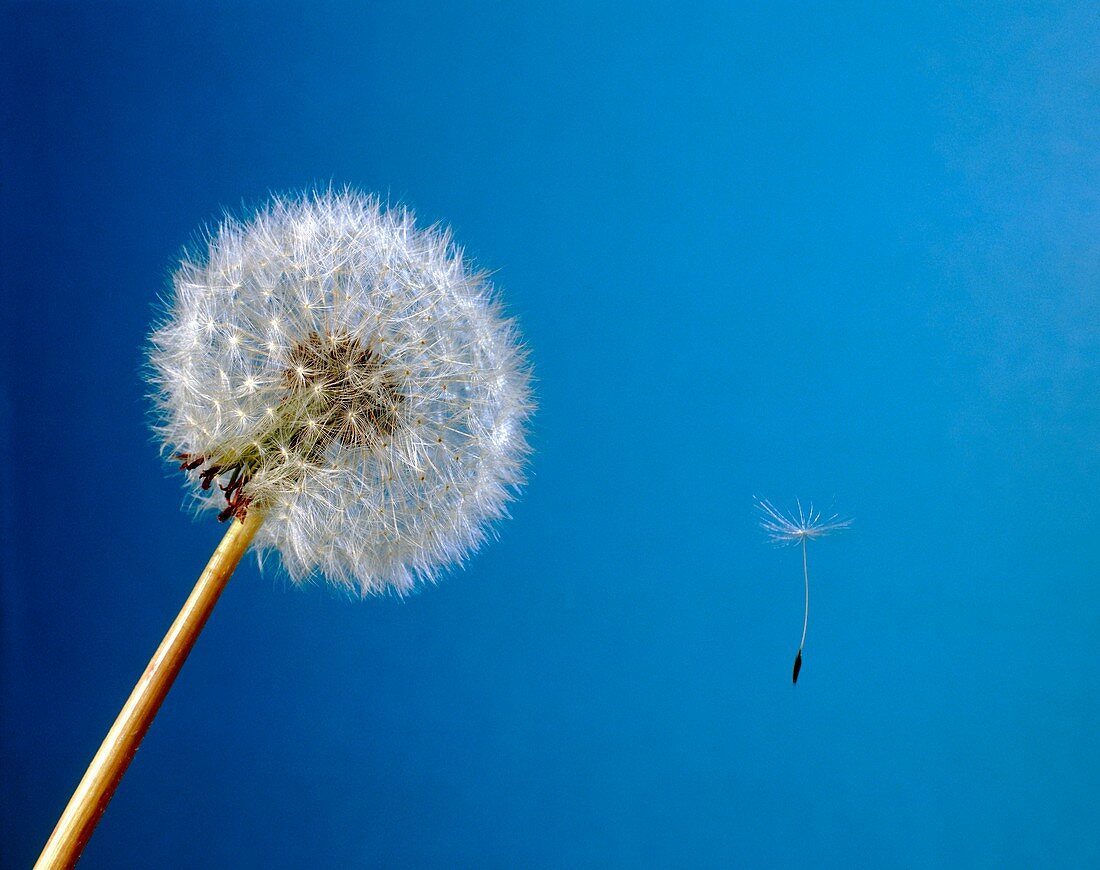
(821, 251)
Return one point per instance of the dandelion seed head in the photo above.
(346, 371)
(802, 524)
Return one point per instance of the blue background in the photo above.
(834, 252)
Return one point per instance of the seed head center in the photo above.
(350, 395)
(337, 390)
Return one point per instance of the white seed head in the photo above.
(799, 525)
(347, 373)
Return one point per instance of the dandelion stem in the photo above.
(91, 797)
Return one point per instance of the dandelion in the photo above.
(345, 392)
(334, 367)
(789, 529)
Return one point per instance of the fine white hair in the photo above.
(798, 526)
(346, 372)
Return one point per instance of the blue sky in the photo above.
(844, 253)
